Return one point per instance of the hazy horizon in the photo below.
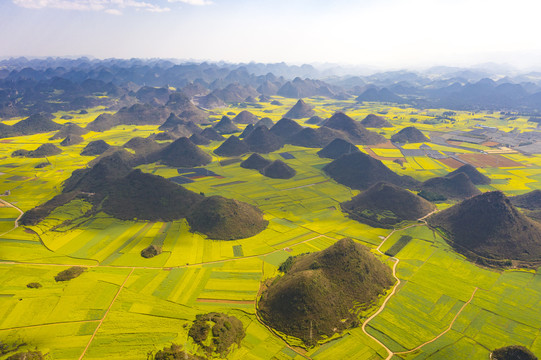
(382, 35)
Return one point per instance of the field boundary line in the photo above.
(2, 262)
(105, 315)
(445, 331)
(304, 186)
(50, 324)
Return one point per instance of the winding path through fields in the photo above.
(16, 220)
(396, 261)
(363, 328)
(446, 330)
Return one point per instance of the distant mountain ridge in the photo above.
(57, 84)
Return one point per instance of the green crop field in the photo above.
(124, 306)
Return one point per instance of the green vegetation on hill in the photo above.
(513, 352)
(6, 348)
(247, 130)
(255, 162)
(531, 200)
(216, 332)
(245, 117)
(475, 176)
(375, 121)
(172, 121)
(143, 146)
(71, 273)
(233, 146)
(27, 355)
(354, 131)
(198, 139)
(225, 126)
(136, 114)
(488, 228)
(314, 298)
(40, 212)
(176, 124)
(266, 121)
(151, 251)
(409, 134)
(112, 187)
(360, 171)
(35, 124)
(261, 140)
(278, 170)
(226, 219)
(13, 350)
(44, 151)
(458, 186)
(101, 174)
(20, 153)
(300, 110)
(186, 129)
(96, 147)
(314, 120)
(385, 205)
(315, 138)
(69, 129)
(286, 128)
(337, 148)
(148, 197)
(211, 134)
(175, 352)
(431, 196)
(102, 123)
(72, 140)
(183, 153)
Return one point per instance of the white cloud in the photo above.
(158, 9)
(113, 11)
(113, 7)
(194, 2)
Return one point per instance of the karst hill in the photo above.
(314, 297)
(488, 226)
(385, 205)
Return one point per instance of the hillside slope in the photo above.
(489, 226)
(314, 297)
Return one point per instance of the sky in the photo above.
(378, 33)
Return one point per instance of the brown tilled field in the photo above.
(489, 160)
(455, 164)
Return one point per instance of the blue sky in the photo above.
(382, 33)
